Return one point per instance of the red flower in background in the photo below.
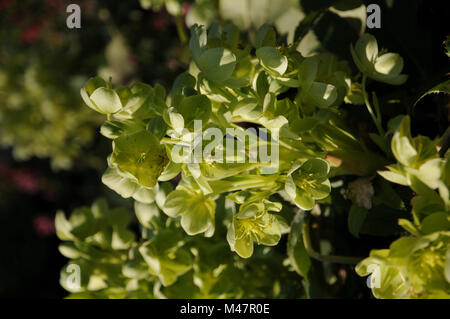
(4, 3)
(54, 4)
(5, 171)
(31, 33)
(26, 180)
(185, 7)
(160, 22)
(44, 225)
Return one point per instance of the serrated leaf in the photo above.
(443, 87)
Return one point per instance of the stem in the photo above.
(324, 258)
(168, 140)
(375, 117)
(180, 29)
(241, 182)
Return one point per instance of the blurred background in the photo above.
(51, 155)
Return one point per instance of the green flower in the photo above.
(127, 186)
(196, 211)
(380, 67)
(141, 155)
(253, 222)
(413, 267)
(418, 160)
(166, 257)
(308, 182)
(96, 239)
(99, 97)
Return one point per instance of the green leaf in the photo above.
(217, 64)
(321, 94)
(443, 87)
(63, 226)
(265, 36)
(184, 84)
(165, 257)
(82, 223)
(298, 256)
(195, 107)
(272, 60)
(158, 127)
(447, 265)
(435, 222)
(409, 226)
(356, 218)
(382, 221)
(147, 214)
(307, 72)
(199, 218)
(385, 194)
(175, 202)
(122, 238)
(197, 43)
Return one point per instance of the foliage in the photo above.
(165, 262)
(212, 207)
(416, 266)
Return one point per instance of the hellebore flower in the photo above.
(99, 97)
(308, 182)
(253, 222)
(383, 68)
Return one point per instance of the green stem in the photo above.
(375, 117)
(324, 258)
(241, 182)
(180, 29)
(168, 140)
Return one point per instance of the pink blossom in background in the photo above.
(44, 225)
(173, 64)
(26, 180)
(5, 171)
(185, 7)
(55, 4)
(31, 33)
(159, 22)
(4, 3)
